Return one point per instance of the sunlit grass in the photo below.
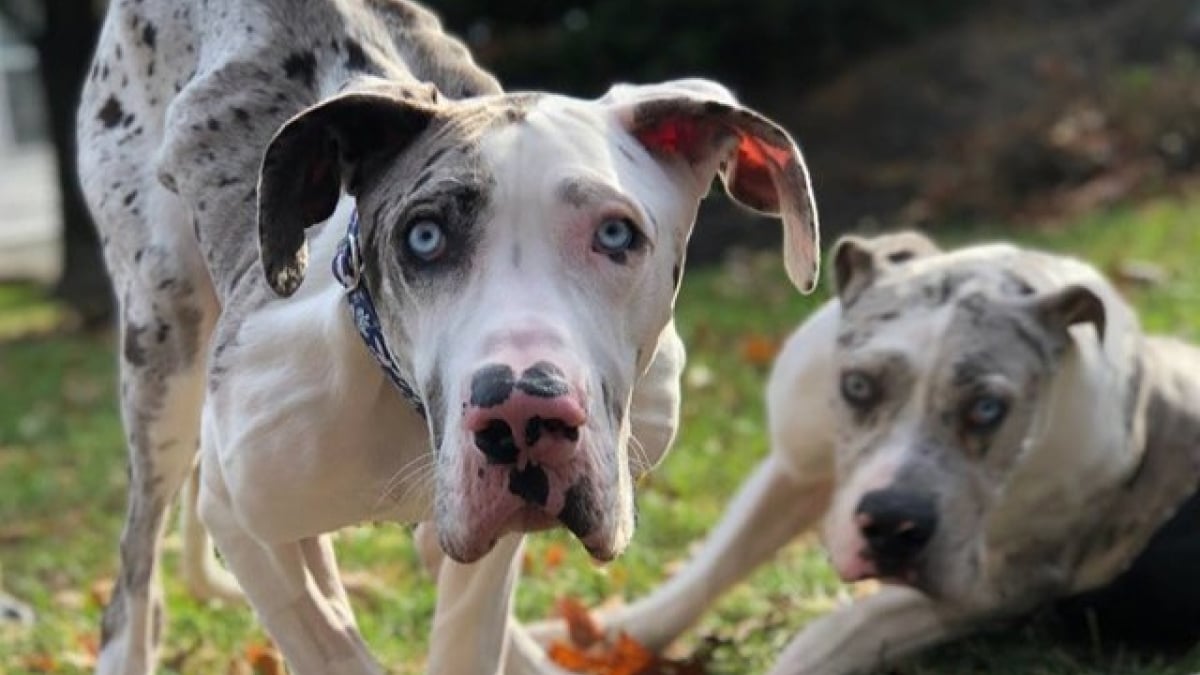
(62, 481)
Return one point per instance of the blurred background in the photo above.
(1068, 124)
(930, 112)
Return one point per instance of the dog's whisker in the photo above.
(395, 487)
(639, 460)
(420, 484)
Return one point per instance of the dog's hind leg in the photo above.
(167, 313)
(772, 507)
(203, 574)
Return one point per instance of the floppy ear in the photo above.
(324, 149)
(858, 261)
(701, 123)
(853, 268)
(1069, 306)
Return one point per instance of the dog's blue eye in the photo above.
(426, 240)
(615, 235)
(859, 389)
(985, 413)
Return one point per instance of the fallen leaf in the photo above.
(554, 556)
(40, 663)
(264, 659)
(759, 350)
(89, 643)
(589, 653)
(630, 657)
(582, 628)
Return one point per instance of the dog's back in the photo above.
(175, 114)
(183, 98)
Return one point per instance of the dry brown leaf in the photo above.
(264, 659)
(589, 653)
(40, 663)
(759, 350)
(630, 657)
(582, 628)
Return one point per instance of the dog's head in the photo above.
(524, 252)
(943, 363)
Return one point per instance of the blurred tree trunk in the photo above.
(64, 36)
(65, 50)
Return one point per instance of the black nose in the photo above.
(897, 525)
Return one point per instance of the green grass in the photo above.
(62, 477)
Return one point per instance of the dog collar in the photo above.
(348, 270)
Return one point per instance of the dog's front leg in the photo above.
(772, 507)
(869, 633)
(473, 606)
(294, 591)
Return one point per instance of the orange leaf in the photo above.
(264, 659)
(41, 663)
(758, 349)
(555, 555)
(582, 628)
(89, 643)
(630, 657)
(569, 657)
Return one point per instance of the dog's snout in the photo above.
(896, 524)
(538, 413)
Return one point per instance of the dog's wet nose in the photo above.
(897, 525)
(537, 412)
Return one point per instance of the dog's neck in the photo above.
(348, 267)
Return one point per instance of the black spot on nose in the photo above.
(491, 385)
(497, 443)
(543, 380)
(578, 514)
(532, 484)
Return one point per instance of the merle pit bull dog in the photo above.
(988, 432)
(359, 282)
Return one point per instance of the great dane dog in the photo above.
(986, 431)
(483, 339)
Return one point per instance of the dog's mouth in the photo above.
(482, 501)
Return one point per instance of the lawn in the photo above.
(62, 480)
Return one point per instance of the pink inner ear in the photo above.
(753, 173)
(674, 136)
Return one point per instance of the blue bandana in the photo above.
(348, 270)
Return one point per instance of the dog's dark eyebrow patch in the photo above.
(1026, 336)
(1016, 285)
